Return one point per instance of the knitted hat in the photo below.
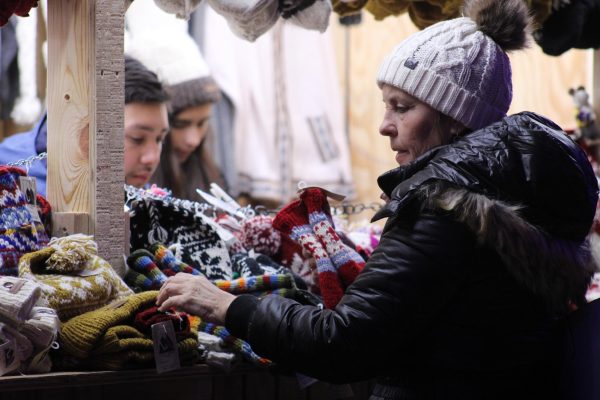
(181, 8)
(162, 43)
(20, 233)
(75, 290)
(80, 335)
(460, 67)
(248, 19)
(17, 298)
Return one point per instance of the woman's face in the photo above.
(188, 130)
(412, 126)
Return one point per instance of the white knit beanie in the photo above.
(161, 42)
(460, 66)
(17, 298)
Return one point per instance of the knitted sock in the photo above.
(42, 327)
(346, 260)
(17, 298)
(138, 282)
(256, 283)
(142, 261)
(169, 264)
(292, 220)
(238, 344)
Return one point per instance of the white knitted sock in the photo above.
(41, 327)
(17, 298)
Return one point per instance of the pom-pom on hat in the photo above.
(460, 66)
(162, 43)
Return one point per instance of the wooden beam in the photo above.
(85, 120)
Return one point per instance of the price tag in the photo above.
(29, 188)
(166, 355)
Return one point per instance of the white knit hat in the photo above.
(460, 67)
(161, 42)
(17, 298)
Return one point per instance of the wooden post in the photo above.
(85, 121)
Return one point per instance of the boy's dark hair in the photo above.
(141, 84)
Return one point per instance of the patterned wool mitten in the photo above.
(168, 263)
(142, 262)
(292, 220)
(346, 260)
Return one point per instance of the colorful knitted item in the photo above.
(136, 281)
(346, 260)
(144, 320)
(142, 261)
(292, 220)
(258, 234)
(261, 283)
(237, 344)
(172, 223)
(168, 263)
(19, 232)
(17, 298)
(77, 292)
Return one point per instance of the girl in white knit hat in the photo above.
(484, 250)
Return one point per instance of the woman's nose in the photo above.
(387, 128)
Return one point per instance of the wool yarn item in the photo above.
(168, 263)
(142, 261)
(144, 320)
(237, 344)
(17, 299)
(258, 234)
(346, 260)
(79, 335)
(19, 232)
(96, 285)
(71, 253)
(261, 283)
(138, 282)
(292, 220)
(160, 221)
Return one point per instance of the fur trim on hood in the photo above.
(553, 268)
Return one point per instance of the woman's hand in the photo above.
(195, 295)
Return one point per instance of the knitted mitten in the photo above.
(168, 263)
(346, 260)
(292, 220)
(142, 261)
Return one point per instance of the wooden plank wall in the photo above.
(540, 84)
(85, 122)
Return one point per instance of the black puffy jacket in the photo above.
(483, 251)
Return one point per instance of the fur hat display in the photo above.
(72, 281)
(171, 53)
(460, 67)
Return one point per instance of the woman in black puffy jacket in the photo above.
(484, 250)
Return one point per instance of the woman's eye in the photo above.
(401, 109)
(135, 140)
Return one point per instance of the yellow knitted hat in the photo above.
(81, 334)
(72, 281)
